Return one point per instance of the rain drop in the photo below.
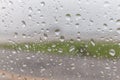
(10, 2)
(45, 36)
(43, 23)
(118, 22)
(60, 50)
(42, 3)
(112, 52)
(15, 35)
(78, 16)
(118, 30)
(49, 49)
(106, 4)
(78, 38)
(30, 9)
(92, 42)
(72, 48)
(62, 38)
(105, 26)
(24, 35)
(30, 16)
(39, 10)
(78, 33)
(23, 23)
(77, 25)
(68, 17)
(57, 32)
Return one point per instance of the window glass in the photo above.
(59, 39)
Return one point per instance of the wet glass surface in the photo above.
(59, 39)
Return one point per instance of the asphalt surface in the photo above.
(59, 67)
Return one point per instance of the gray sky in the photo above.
(92, 18)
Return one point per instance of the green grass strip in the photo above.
(75, 48)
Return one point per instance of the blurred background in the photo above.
(29, 20)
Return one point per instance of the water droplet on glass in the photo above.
(53, 46)
(42, 3)
(27, 46)
(62, 38)
(72, 48)
(47, 30)
(28, 57)
(15, 35)
(57, 32)
(68, 17)
(24, 35)
(72, 68)
(40, 39)
(3, 75)
(118, 22)
(45, 36)
(24, 65)
(78, 38)
(112, 52)
(105, 26)
(60, 50)
(10, 2)
(42, 29)
(92, 42)
(30, 9)
(118, 30)
(38, 23)
(41, 16)
(3, 7)
(71, 41)
(43, 23)
(78, 33)
(49, 49)
(23, 23)
(106, 4)
(119, 6)
(78, 16)
(77, 25)
(30, 16)
(39, 10)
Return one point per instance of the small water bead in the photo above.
(23, 23)
(112, 52)
(43, 23)
(72, 48)
(60, 50)
(45, 36)
(78, 16)
(42, 3)
(77, 25)
(92, 42)
(106, 4)
(62, 38)
(57, 32)
(30, 9)
(49, 49)
(118, 22)
(39, 11)
(78, 38)
(15, 35)
(30, 16)
(10, 3)
(68, 17)
(118, 30)
(105, 26)
(24, 35)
